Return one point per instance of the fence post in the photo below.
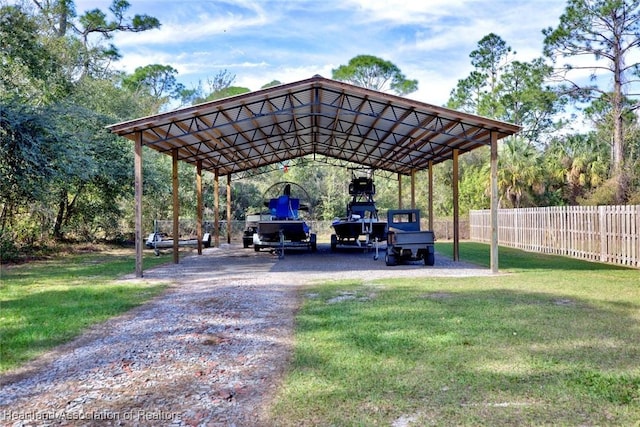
(602, 221)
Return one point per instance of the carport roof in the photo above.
(316, 116)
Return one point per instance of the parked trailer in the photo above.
(284, 227)
(405, 240)
(286, 234)
(157, 241)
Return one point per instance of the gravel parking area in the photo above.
(210, 351)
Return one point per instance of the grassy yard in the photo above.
(46, 303)
(549, 341)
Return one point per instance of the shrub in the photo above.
(8, 249)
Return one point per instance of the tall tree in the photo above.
(490, 59)
(160, 83)
(271, 84)
(503, 88)
(477, 93)
(25, 156)
(469, 93)
(609, 32)
(29, 70)
(225, 93)
(93, 28)
(62, 173)
(525, 98)
(375, 73)
(219, 86)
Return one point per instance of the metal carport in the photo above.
(316, 116)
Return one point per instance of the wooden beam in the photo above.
(494, 203)
(176, 206)
(216, 207)
(137, 171)
(199, 204)
(456, 209)
(430, 208)
(399, 191)
(413, 188)
(229, 208)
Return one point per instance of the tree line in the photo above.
(63, 176)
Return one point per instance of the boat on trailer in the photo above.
(162, 238)
(284, 228)
(361, 227)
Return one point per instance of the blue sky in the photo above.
(288, 40)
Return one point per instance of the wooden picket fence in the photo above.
(608, 234)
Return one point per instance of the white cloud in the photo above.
(264, 40)
(403, 12)
(180, 29)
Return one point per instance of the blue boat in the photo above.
(284, 228)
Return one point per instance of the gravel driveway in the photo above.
(209, 351)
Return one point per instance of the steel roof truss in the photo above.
(314, 116)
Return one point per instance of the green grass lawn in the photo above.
(550, 340)
(46, 303)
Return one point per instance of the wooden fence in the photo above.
(608, 234)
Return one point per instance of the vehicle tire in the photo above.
(256, 248)
(390, 259)
(429, 259)
(334, 242)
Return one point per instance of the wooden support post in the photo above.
(176, 207)
(199, 204)
(430, 208)
(137, 172)
(399, 191)
(456, 210)
(413, 188)
(216, 207)
(229, 208)
(494, 203)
